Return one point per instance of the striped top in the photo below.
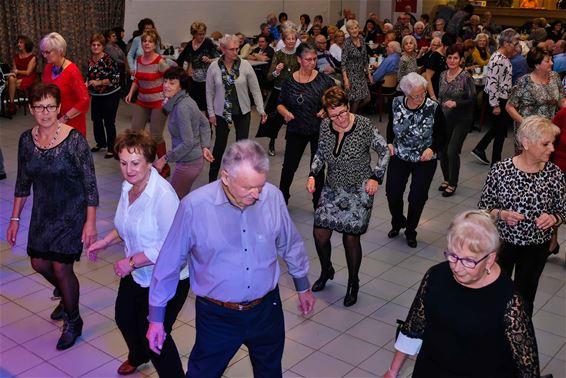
(149, 78)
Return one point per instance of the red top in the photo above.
(73, 94)
(149, 78)
(559, 157)
(22, 65)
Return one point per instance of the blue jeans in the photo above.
(221, 331)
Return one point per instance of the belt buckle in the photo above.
(240, 307)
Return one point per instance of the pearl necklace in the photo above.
(35, 135)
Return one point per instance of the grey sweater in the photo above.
(189, 129)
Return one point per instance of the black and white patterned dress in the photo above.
(355, 63)
(344, 205)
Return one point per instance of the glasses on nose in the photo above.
(467, 262)
(45, 52)
(234, 49)
(42, 108)
(339, 115)
(418, 96)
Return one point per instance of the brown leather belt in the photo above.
(243, 306)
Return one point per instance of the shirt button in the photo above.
(247, 268)
(248, 287)
(245, 249)
(244, 230)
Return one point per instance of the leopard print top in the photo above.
(530, 194)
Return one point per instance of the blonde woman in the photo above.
(408, 61)
(355, 67)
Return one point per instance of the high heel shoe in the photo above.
(352, 293)
(320, 284)
(556, 250)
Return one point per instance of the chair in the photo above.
(386, 91)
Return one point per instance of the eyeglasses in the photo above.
(234, 49)
(419, 96)
(336, 116)
(466, 261)
(41, 108)
(45, 52)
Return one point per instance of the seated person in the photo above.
(529, 4)
(24, 70)
(336, 47)
(325, 62)
(245, 47)
(263, 53)
(264, 32)
(390, 64)
(559, 57)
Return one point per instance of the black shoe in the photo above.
(271, 149)
(72, 329)
(352, 293)
(393, 233)
(443, 186)
(449, 191)
(58, 313)
(108, 155)
(3, 176)
(320, 284)
(96, 149)
(555, 250)
(412, 242)
(480, 156)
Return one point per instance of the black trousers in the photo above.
(528, 263)
(221, 331)
(131, 318)
(497, 132)
(398, 173)
(242, 126)
(294, 149)
(457, 131)
(103, 115)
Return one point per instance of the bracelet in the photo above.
(15, 219)
(275, 74)
(132, 263)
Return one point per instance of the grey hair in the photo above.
(245, 152)
(507, 35)
(412, 81)
(474, 230)
(534, 127)
(351, 24)
(53, 41)
(388, 26)
(396, 46)
(480, 36)
(289, 25)
(419, 23)
(227, 38)
(407, 38)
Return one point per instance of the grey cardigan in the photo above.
(189, 129)
(246, 82)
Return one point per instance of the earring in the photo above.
(487, 270)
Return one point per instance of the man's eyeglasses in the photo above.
(41, 108)
(465, 261)
(336, 116)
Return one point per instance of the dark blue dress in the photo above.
(64, 185)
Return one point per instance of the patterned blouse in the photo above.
(461, 89)
(349, 162)
(103, 68)
(411, 131)
(498, 82)
(530, 194)
(407, 64)
(530, 98)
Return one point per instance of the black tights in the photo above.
(352, 248)
(63, 278)
(357, 106)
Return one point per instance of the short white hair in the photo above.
(53, 41)
(412, 81)
(245, 152)
(396, 46)
(534, 127)
(228, 38)
(351, 23)
(474, 230)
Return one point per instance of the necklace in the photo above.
(300, 99)
(56, 71)
(35, 135)
(451, 77)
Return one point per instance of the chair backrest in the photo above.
(390, 81)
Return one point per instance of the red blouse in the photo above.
(73, 94)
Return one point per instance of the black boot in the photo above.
(72, 328)
(325, 275)
(271, 149)
(58, 313)
(352, 292)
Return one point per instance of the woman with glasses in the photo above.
(229, 82)
(66, 75)
(103, 83)
(466, 319)
(301, 107)
(416, 132)
(527, 196)
(345, 205)
(54, 160)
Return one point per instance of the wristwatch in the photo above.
(132, 263)
(66, 118)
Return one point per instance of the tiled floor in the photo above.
(334, 342)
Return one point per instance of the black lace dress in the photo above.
(469, 332)
(64, 185)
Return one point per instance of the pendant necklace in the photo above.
(300, 99)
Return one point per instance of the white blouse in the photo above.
(144, 225)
